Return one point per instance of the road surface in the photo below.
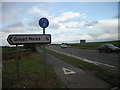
(73, 77)
(109, 60)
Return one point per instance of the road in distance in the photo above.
(94, 55)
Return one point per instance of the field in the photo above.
(32, 73)
(117, 43)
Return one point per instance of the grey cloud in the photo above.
(16, 27)
(10, 11)
(95, 35)
(18, 24)
(90, 23)
(72, 28)
(54, 26)
(34, 23)
(79, 34)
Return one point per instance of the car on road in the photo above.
(108, 48)
(63, 46)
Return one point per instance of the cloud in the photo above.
(36, 11)
(95, 35)
(105, 29)
(70, 38)
(10, 12)
(34, 25)
(14, 28)
(54, 25)
(108, 37)
(90, 23)
(65, 21)
(68, 15)
(69, 25)
(103, 36)
(107, 26)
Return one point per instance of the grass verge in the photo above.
(109, 77)
(31, 74)
(116, 43)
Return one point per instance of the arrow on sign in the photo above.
(9, 39)
(68, 71)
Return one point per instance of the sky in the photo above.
(69, 22)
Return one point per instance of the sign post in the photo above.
(17, 63)
(20, 39)
(43, 22)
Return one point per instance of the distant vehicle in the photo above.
(63, 46)
(108, 48)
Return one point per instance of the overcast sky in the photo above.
(69, 21)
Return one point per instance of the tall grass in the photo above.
(31, 74)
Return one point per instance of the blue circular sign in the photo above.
(43, 22)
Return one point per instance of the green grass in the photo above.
(116, 42)
(31, 72)
(109, 77)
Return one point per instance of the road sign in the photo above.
(19, 39)
(82, 41)
(43, 22)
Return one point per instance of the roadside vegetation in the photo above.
(31, 73)
(8, 49)
(111, 78)
(117, 43)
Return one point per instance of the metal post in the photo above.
(17, 64)
(45, 56)
(43, 31)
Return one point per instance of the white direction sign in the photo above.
(68, 71)
(15, 39)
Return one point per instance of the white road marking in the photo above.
(68, 71)
(86, 60)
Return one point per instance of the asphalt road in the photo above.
(104, 58)
(76, 77)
